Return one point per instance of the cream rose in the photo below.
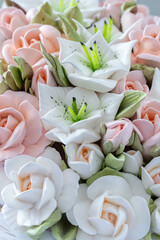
(112, 208)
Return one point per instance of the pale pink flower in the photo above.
(134, 81)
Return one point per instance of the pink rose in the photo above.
(119, 132)
(113, 8)
(148, 123)
(26, 43)
(21, 130)
(42, 75)
(12, 18)
(135, 80)
(129, 18)
(147, 49)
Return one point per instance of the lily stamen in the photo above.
(95, 28)
(61, 5)
(73, 3)
(87, 54)
(77, 115)
(107, 29)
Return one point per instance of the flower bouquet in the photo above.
(79, 120)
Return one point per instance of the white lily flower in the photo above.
(89, 8)
(95, 65)
(112, 208)
(38, 188)
(85, 159)
(151, 176)
(75, 114)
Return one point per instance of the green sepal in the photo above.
(36, 232)
(27, 84)
(102, 129)
(24, 67)
(105, 172)
(65, 153)
(155, 151)
(129, 7)
(74, 13)
(130, 104)
(120, 149)
(137, 146)
(115, 162)
(140, 173)
(147, 71)
(56, 68)
(107, 147)
(16, 74)
(63, 165)
(148, 191)
(148, 236)
(3, 66)
(68, 29)
(3, 87)
(45, 16)
(131, 140)
(10, 81)
(155, 236)
(64, 230)
(152, 205)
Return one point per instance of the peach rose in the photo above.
(25, 42)
(148, 123)
(42, 75)
(21, 130)
(119, 132)
(129, 18)
(12, 18)
(135, 80)
(147, 49)
(113, 7)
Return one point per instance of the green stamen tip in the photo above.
(95, 28)
(105, 28)
(109, 30)
(61, 5)
(82, 111)
(73, 3)
(87, 54)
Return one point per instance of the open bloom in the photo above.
(151, 176)
(148, 117)
(119, 132)
(25, 42)
(39, 187)
(111, 208)
(75, 114)
(86, 159)
(95, 65)
(42, 75)
(135, 80)
(146, 50)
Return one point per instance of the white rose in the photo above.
(151, 176)
(85, 159)
(39, 188)
(133, 161)
(112, 208)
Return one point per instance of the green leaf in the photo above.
(155, 236)
(24, 67)
(63, 165)
(10, 81)
(107, 147)
(3, 87)
(3, 66)
(137, 146)
(115, 162)
(68, 29)
(63, 230)
(147, 71)
(56, 68)
(148, 236)
(16, 74)
(45, 16)
(152, 205)
(36, 232)
(130, 104)
(129, 7)
(105, 172)
(155, 151)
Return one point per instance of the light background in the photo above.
(154, 5)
